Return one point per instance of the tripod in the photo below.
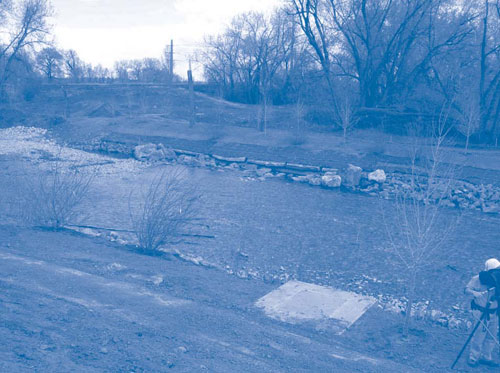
(483, 317)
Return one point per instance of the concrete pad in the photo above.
(300, 302)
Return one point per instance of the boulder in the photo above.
(153, 152)
(352, 176)
(263, 171)
(491, 208)
(370, 188)
(378, 176)
(188, 160)
(300, 179)
(495, 197)
(168, 153)
(331, 180)
(314, 179)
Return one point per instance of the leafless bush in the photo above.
(165, 208)
(52, 198)
(347, 118)
(468, 117)
(298, 136)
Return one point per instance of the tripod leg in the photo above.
(468, 340)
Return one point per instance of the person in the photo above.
(485, 338)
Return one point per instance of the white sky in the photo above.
(105, 31)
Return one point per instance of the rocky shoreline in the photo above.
(461, 194)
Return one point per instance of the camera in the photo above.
(491, 279)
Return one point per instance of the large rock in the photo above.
(352, 176)
(300, 179)
(314, 179)
(263, 171)
(153, 152)
(378, 176)
(491, 208)
(331, 180)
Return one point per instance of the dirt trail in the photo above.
(68, 306)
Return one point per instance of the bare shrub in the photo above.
(165, 208)
(298, 113)
(347, 118)
(468, 118)
(52, 198)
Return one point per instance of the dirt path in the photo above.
(70, 303)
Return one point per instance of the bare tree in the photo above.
(468, 116)
(312, 18)
(136, 69)
(73, 65)
(299, 111)
(122, 70)
(253, 57)
(489, 76)
(419, 224)
(165, 207)
(383, 46)
(347, 117)
(152, 70)
(220, 60)
(26, 24)
(272, 47)
(49, 60)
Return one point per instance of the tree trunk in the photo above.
(410, 299)
(263, 120)
(483, 111)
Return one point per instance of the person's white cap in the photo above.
(491, 264)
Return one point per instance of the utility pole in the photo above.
(192, 118)
(171, 60)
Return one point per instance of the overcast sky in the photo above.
(104, 31)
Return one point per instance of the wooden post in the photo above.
(66, 103)
(192, 118)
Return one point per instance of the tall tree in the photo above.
(254, 56)
(489, 77)
(122, 70)
(382, 45)
(49, 62)
(25, 23)
(73, 65)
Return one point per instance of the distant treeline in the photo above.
(26, 53)
(367, 56)
(375, 61)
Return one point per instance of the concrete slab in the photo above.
(301, 302)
